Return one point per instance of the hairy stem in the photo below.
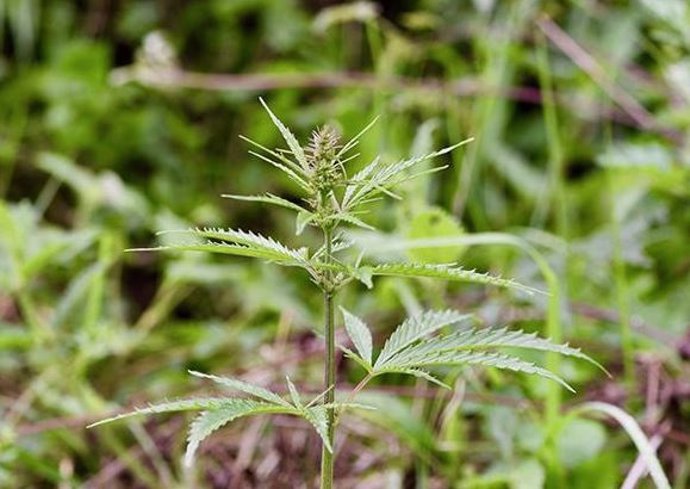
(329, 373)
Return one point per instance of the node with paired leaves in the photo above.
(334, 198)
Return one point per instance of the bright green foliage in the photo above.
(430, 223)
(238, 242)
(216, 412)
(332, 199)
(581, 154)
(412, 348)
(447, 272)
(360, 335)
(416, 328)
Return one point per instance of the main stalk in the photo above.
(329, 373)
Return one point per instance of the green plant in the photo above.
(333, 199)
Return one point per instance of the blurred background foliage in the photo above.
(119, 118)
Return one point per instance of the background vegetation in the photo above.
(119, 119)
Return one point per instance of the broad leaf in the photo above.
(431, 223)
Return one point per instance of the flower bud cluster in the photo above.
(324, 166)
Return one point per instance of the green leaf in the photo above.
(294, 394)
(355, 140)
(364, 275)
(422, 374)
(294, 176)
(360, 335)
(492, 338)
(318, 417)
(448, 272)
(210, 421)
(430, 223)
(71, 303)
(194, 404)
(415, 328)
(294, 167)
(267, 198)
(303, 218)
(485, 359)
(365, 364)
(579, 441)
(253, 240)
(351, 219)
(358, 180)
(251, 389)
(374, 178)
(241, 243)
(290, 138)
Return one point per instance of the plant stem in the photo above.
(329, 373)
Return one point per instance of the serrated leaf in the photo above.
(251, 239)
(290, 138)
(360, 335)
(447, 272)
(247, 388)
(318, 417)
(415, 328)
(276, 154)
(267, 198)
(375, 178)
(422, 374)
(237, 242)
(491, 338)
(358, 180)
(485, 359)
(210, 421)
(354, 220)
(194, 404)
(366, 365)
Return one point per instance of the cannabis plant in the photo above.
(334, 198)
